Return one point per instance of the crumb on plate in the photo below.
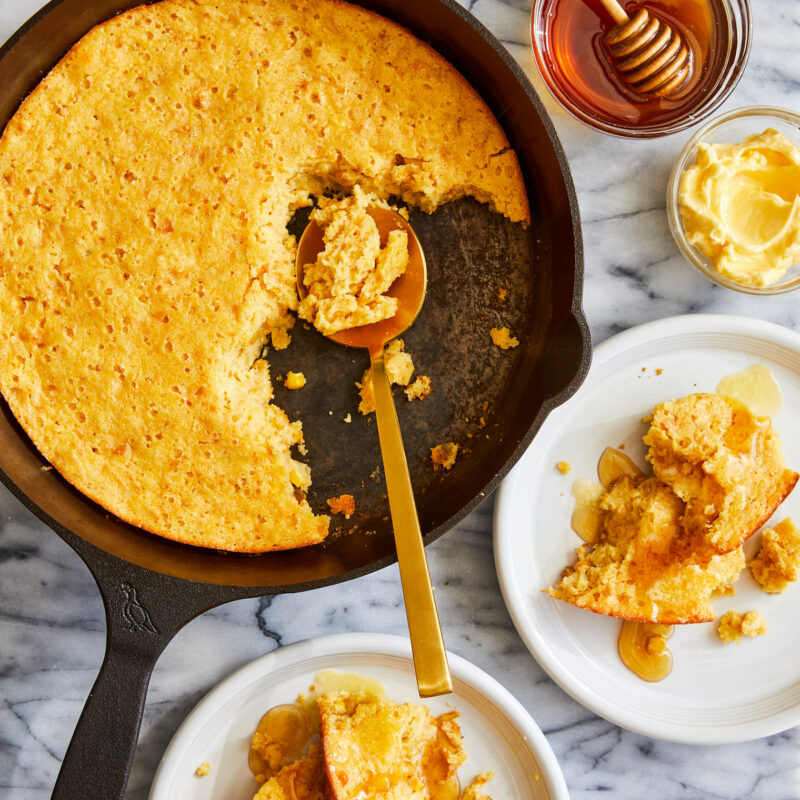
(733, 625)
(778, 561)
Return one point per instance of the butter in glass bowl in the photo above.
(734, 200)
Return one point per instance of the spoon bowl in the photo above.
(409, 288)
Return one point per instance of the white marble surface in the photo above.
(51, 616)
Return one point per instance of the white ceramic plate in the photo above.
(716, 693)
(498, 733)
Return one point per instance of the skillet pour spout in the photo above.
(151, 586)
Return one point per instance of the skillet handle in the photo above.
(98, 759)
(144, 610)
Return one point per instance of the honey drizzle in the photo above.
(643, 649)
(289, 730)
(642, 645)
(587, 518)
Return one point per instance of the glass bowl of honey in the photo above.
(731, 129)
(567, 37)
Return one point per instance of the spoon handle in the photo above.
(427, 646)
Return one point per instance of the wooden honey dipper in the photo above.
(649, 55)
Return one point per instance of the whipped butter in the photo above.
(741, 207)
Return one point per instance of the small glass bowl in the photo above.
(731, 127)
(732, 15)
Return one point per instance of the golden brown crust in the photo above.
(145, 188)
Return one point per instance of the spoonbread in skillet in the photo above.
(145, 189)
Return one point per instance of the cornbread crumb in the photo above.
(503, 339)
(294, 380)
(659, 371)
(399, 369)
(348, 281)
(502, 294)
(564, 467)
(475, 790)
(348, 418)
(203, 770)
(733, 625)
(343, 504)
(444, 455)
(420, 389)
(778, 561)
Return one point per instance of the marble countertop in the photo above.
(51, 615)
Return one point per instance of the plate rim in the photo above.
(358, 643)
(605, 351)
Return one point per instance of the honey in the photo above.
(286, 730)
(569, 34)
(643, 649)
(587, 518)
(613, 465)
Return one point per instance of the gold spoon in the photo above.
(427, 645)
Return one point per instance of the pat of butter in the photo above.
(741, 207)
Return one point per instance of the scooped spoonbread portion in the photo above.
(669, 541)
(145, 189)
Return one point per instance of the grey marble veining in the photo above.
(51, 616)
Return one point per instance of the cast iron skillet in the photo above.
(491, 402)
